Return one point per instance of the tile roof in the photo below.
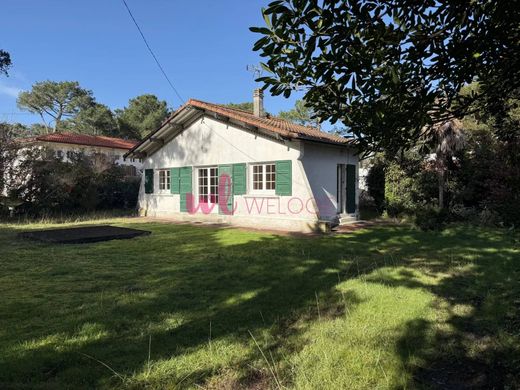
(272, 123)
(84, 139)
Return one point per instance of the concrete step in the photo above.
(347, 219)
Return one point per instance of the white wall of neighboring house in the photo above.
(61, 150)
(364, 168)
(208, 142)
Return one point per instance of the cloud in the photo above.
(10, 91)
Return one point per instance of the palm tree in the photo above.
(449, 139)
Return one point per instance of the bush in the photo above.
(408, 187)
(83, 185)
(375, 182)
(431, 218)
(367, 207)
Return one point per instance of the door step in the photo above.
(346, 219)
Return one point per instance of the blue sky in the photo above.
(204, 47)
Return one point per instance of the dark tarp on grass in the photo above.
(81, 235)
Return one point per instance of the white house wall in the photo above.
(88, 150)
(209, 142)
(320, 162)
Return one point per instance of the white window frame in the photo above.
(164, 184)
(264, 181)
(210, 187)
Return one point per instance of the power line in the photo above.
(152, 53)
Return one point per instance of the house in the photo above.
(65, 144)
(208, 162)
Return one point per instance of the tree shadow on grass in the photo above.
(188, 287)
(217, 288)
(476, 343)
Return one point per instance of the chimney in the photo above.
(258, 103)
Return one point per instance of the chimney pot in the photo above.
(258, 103)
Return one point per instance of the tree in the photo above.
(301, 114)
(144, 114)
(5, 61)
(391, 70)
(246, 106)
(450, 139)
(57, 100)
(97, 119)
(38, 128)
(12, 163)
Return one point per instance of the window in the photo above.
(59, 154)
(208, 185)
(264, 177)
(164, 179)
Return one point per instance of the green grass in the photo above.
(201, 307)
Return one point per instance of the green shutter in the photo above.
(148, 181)
(175, 177)
(225, 196)
(283, 178)
(185, 186)
(239, 179)
(351, 188)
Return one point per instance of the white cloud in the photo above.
(10, 91)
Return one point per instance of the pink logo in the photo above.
(268, 204)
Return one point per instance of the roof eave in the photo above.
(164, 129)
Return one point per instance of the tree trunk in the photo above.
(442, 184)
(57, 123)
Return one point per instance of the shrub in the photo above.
(431, 218)
(84, 184)
(375, 182)
(367, 207)
(408, 187)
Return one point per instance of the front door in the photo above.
(351, 189)
(341, 189)
(346, 188)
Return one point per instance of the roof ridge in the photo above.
(268, 116)
(273, 123)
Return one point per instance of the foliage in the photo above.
(96, 119)
(431, 218)
(179, 309)
(488, 179)
(57, 100)
(85, 183)
(246, 106)
(11, 154)
(408, 185)
(375, 181)
(5, 61)
(301, 114)
(144, 114)
(390, 70)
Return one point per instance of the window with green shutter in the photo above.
(185, 186)
(239, 179)
(148, 181)
(225, 188)
(175, 175)
(283, 178)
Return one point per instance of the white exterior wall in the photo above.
(209, 142)
(87, 150)
(320, 162)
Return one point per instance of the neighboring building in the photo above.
(364, 169)
(63, 144)
(282, 175)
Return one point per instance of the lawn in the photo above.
(206, 307)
